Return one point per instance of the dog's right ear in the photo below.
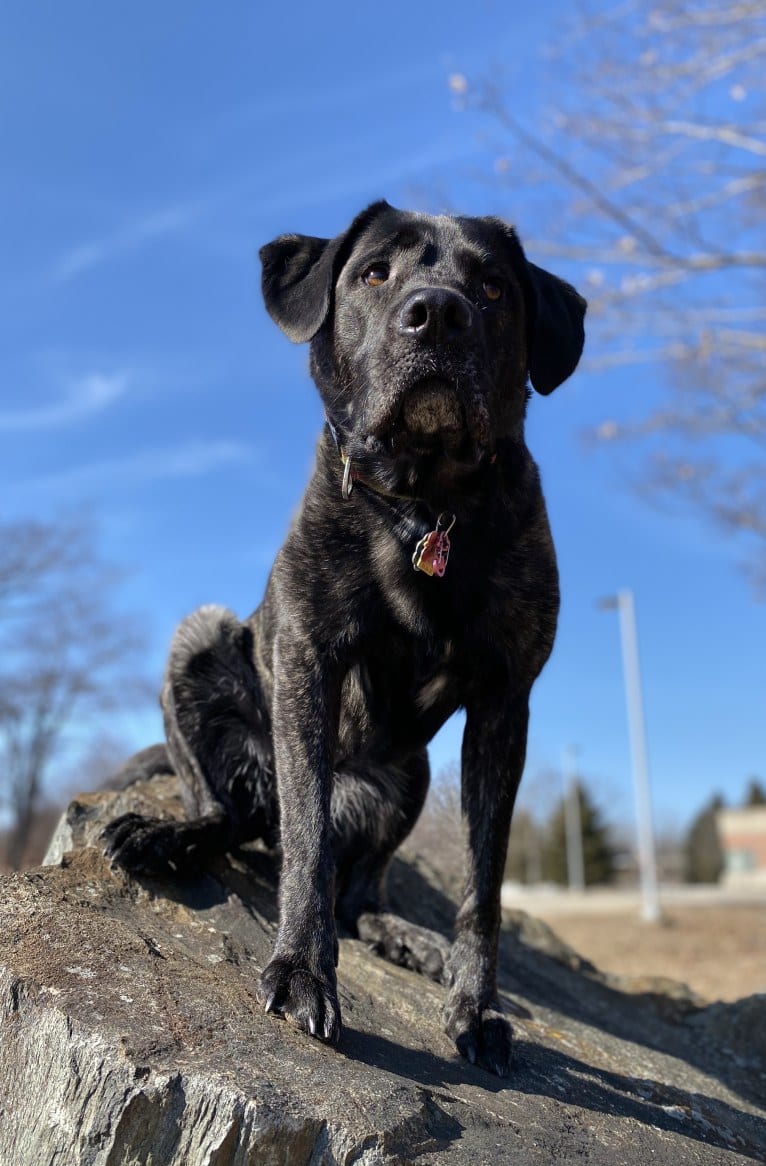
(299, 273)
(297, 282)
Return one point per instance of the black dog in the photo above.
(418, 577)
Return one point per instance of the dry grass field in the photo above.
(718, 949)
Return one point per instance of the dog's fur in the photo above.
(307, 724)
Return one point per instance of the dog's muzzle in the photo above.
(431, 410)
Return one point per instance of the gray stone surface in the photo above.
(131, 1033)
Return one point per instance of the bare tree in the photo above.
(657, 143)
(65, 656)
(439, 834)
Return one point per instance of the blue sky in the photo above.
(149, 151)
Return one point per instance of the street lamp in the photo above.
(624, 604)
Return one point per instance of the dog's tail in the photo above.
(141, 766)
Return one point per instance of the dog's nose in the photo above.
(434, 313)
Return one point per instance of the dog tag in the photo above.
(432, 552)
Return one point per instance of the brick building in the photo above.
(742, 835)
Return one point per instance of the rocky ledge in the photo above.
(131, 1033)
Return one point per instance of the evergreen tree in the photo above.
(599, 853)
(702, 852)
(756, 794)
(523, 863)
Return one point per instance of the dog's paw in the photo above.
(395, 939)
(293, 991)
(141, 845)
(485, 1037)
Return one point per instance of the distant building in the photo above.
(743, 843)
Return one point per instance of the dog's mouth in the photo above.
(432, 417)
(425, 440)
(432, 421)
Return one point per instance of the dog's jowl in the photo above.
(417, 578)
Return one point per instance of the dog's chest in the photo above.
(428, 592)
(399, 692)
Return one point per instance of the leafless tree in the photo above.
(66, 656)
(657, 146)
(439, 834)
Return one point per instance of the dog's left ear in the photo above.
(555, 315)
(299, 273)
(555, 329)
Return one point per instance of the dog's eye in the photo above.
(375, 274)
(493, 289)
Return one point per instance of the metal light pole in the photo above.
(572, 821)
(624, 604)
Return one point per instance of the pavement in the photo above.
(548, 900)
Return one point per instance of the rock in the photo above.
(739, 1029)
(131, 1034)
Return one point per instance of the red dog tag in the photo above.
(432, 552)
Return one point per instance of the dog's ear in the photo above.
(555, 329)
(299, 273)
(297, 282)
(555, 316)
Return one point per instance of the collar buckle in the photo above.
(348, 476)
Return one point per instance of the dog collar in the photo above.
(351, 474)
(431, 553)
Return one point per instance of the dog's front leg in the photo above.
(300, 981)
(494, 747)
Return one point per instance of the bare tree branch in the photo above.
(658, 144)
(67, 657)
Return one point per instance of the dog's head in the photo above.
(425, 331)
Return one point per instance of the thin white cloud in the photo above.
(191, 460)
(170, 220)
(87, 396)
(283, 189)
